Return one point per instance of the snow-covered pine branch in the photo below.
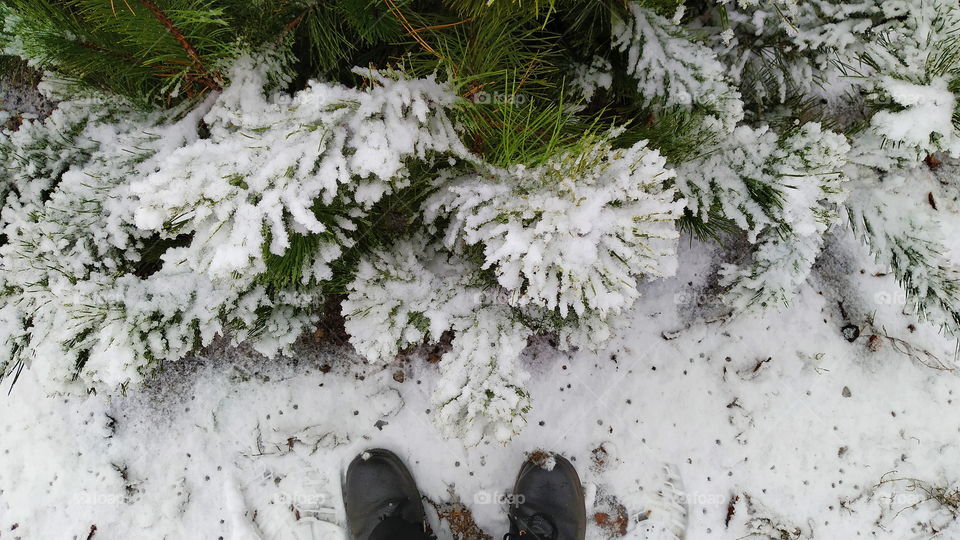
(914, 73)
(77, 304)
(574, 234)
(415, 291)
(405, 294)
(310, 164)
(901, 229)
(912, 68)
(481, 390)
(36, 154)
(783, 191)
(673, 70)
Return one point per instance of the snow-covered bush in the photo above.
(156, 240)
(492, 179)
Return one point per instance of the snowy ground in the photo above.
(768, 427)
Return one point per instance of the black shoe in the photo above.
(548, 505)
(379, 490)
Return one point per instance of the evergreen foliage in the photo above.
(492, 168)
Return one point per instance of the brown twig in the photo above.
(409, 28)
(205, 77)
(526, 74)
(921, 356)
(290, 26)
(476, 88)
(442, 26)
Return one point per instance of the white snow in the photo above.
(778, 418)
(926, 120)
(833, 418)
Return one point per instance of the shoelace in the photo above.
(537, 521)
(523, 535)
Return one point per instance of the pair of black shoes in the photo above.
(382, 501)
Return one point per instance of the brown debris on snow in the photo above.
(460, 520)
(541, 459)
(599, 457)
(610, 516)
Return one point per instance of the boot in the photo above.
(381, 499)
(547, 505)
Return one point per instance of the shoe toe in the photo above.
(376, 484)
(556, 493)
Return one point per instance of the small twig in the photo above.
(409, 28)
(473, 90)
(206, 78)
(947, 498)
(923, 356)
(290, 26)
(526, 74)
(760, 364)
(442, 26)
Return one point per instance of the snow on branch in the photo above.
(671, 68)
(573, 234)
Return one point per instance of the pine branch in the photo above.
(208, 80)
(292, 25)
(411, 31)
